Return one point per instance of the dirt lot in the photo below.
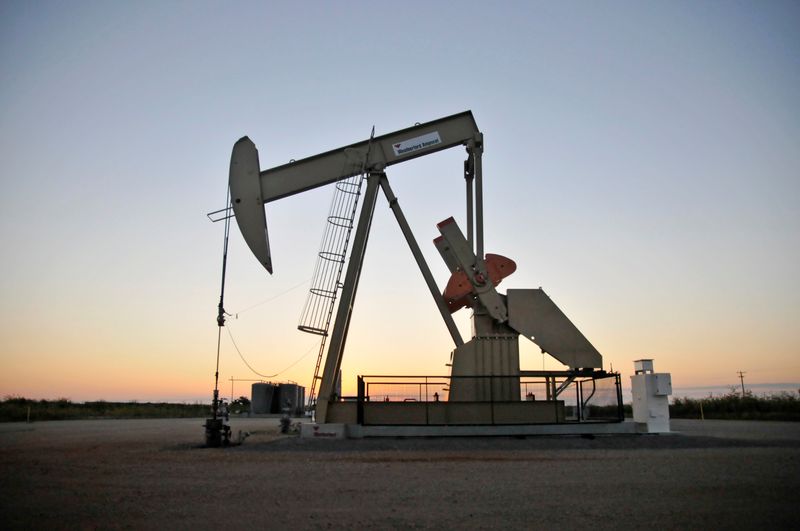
(153, 474)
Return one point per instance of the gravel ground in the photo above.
(153, 474)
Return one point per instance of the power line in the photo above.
(307, 352)
(281, 294)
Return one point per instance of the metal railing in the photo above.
(575, 396)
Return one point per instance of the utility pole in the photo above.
(741, 378)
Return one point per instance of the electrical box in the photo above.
(651, 397)
(663, 384)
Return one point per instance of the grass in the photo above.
(732, 406)
(779, 406)
(16, 409)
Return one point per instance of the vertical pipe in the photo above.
(469, 177)
(360, 401)
(427, 411)
(479, 196)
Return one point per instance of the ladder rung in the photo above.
(323, 292)
(312, 330)
(341, 221)
(331, 256)
(349, 187)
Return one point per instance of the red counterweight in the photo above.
(459, 290)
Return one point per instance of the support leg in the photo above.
(423, 266)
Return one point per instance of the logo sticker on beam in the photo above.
(417, 143)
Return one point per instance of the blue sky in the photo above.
(642, 165)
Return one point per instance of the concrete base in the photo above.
(356, 431)
(646, 427)
(323, 431)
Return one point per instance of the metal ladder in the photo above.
(326, 280)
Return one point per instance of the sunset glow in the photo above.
(641, 166)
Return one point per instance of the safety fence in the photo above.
(535, 396)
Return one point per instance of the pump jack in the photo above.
(498, 319)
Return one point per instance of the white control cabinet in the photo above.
(651, 397)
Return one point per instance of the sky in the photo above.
(642, 165)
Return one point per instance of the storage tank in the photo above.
(291, 396)
(301, 397)
(261, 397)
